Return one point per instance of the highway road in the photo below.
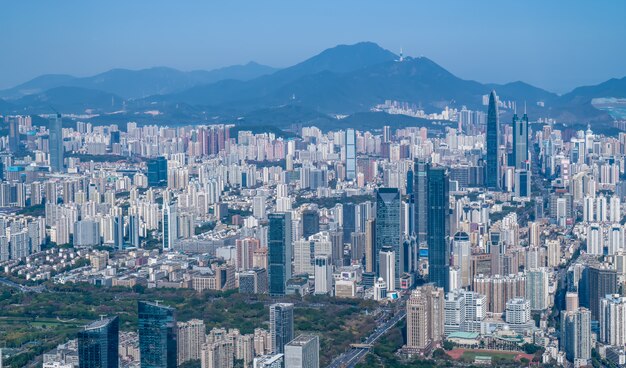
(354, 355)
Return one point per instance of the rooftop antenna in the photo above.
(524, 107)
(401, 54)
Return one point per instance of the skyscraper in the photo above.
(133, 230)
(350, 154)
(349, 221)
(420, 197)
(98, 344)
(438, 227)
(281, 326)
(388, 232)
(56, 143)
(303, 352)
(279, 252)
(310, 222)
(597, 282)
(576, 334)
(520, 141)
(170, 226)
(157, 335)
(425, 317)
(492, 179)
(157, 172)
(14, 135)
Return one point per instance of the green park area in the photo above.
(32, 323)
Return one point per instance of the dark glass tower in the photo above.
(157, 335)
(98, 344)
(420, 186)
(157, 172)
(349, 221)
(438, 227)
(350, 154)
(279, 252)
(520, 141)
(310, 222)
(596, 282)
(281, 326)
(492, 179)
(388, 230)
(56, 143)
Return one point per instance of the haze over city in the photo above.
(353, 184)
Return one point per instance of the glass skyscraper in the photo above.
(350, 154)
(388, 230)
(520, 141)
(98, 344)
(438, 227)
(157, 172)
(279, 252)
(492, 174)
(157, 335)
(420, 187)
(281, 326)
(56, 143)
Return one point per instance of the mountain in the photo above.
(70, 99)
(139, 83)
(339, 59)
(343, 80)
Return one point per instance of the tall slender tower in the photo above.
(420, 178)
(520, 141)
(492, 179)
(388, 231)
(350, 154)
(56, 143)
(279, 252)
(439, 227)
(157, 335)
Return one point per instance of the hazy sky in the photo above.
(556, 45)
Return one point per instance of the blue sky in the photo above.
(555, 45)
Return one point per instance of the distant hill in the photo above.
(139, 83)
(73, 99)
(344, 80)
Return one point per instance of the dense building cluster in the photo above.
(486, 234)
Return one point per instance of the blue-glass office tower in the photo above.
(438, 227)
(350, 154)
(388, 230)
(349, 221)
(520, 141)
(157, 172)
(281, 326)
(56, 143)
(492, 173)
(98, 344)
(310, 222)
(420, 197)
(279, 252)
(157, 335)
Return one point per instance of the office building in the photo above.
(281, 326)
(425, 318)
(157, 335)
(303, 352)
(279, 252)
(388, 231)
(438, 227)
(157, 172)
(57, 150)
(420, 197)
(492, 172)
(170, 226)
(350, 154)
(98, 344)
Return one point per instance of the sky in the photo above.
(556, 45)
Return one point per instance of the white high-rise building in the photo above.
(595, 239)
(613, 320)
(303, 352)
(323, 275)
(387, 268)
(170, 226)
